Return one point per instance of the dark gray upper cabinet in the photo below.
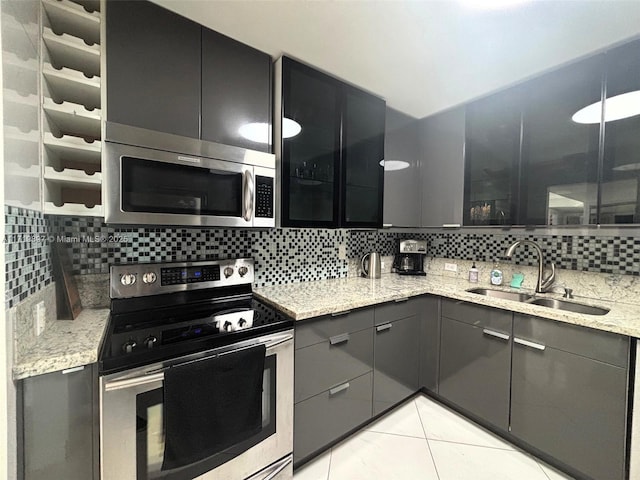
(153, 68)
(559, 178)
(492, 156)
(236, 91)
(402, 185)
(620, 194)
(442, 154)
(331, 172)
(169, 74)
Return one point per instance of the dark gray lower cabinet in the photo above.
(321, 419)
(396, 373)
(429, 308)
(475, 361)
(58, 425)
(566, 404)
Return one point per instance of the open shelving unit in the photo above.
(71, 117)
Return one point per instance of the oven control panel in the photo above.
(140, 280)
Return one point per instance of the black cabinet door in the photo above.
(310, 159)
(363, 122)
(559, 153)
(236, 93)
(492, 156)
(620, 192)
(153, 68)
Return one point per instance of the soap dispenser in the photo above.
(496, 274)
(473, 273)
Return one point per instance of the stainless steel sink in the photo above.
(569, 306)
(489, 292)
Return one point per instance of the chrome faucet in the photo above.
(543, 284)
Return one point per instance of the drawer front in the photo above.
(603, 346)
(401, 308)
(322, 419)
(477, 315)
(313, 331)
(335, 361)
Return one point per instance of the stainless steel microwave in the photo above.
(161, 179)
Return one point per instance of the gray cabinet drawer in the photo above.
(322, 419)
(603, 346)
(310, 332)
(477, 315)
(401, 308)
(327, 364)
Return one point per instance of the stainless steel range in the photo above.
(196, 376)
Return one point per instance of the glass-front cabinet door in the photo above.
(559, 165)
(492, 154)
(363, 140)
(620, 192)
(310, 147)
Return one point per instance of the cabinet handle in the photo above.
(382, 328)
(387, 225)
(339, 388)
(527, 343)
(339, 314)
(450, 225)
(73, 370)
(492, 333)
(399, 300)
(339, 339)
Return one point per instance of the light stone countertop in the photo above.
(311, 299)
(64, 344)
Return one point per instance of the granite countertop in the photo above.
(64, 344)
(312, 299)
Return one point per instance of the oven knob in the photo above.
(149, 277)
(150, 341)
(241, 323)
(227, 326)
(129, 346)
(228, 272)
(128, 279)
(243, 271)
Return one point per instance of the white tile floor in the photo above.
(422, 440)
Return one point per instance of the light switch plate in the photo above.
(342, 251)
(451, 267)
(39, 318)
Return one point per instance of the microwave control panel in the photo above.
(264, 197)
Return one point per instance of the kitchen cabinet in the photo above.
(492, 158)
(429, 308)
(569, 394)
(396, 375)
(442, 179)
(401, 181)
(620, 183)
(331, 172)
(475, 360)
(153, 68)
(59, 425)
(559, 176)
(169, 74)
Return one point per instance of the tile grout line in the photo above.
(330, 458)
(479, 446)
(394, 434)
(543, 470)
(435, 466)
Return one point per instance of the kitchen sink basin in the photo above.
(569, 306)
(489, 292)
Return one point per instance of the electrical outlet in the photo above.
(39, 318)
(342, 251)
(382, 264)
(451, 267)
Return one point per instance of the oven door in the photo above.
(132, 431)
(145, 186)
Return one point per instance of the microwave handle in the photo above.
(248, 196)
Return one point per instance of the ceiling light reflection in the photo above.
(391, 165)
(621, 106)
(259, 132)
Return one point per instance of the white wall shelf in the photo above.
(68, 17)
(16, 170)
(71, 117)
(73, 209)
(74, 149)
(73, 178)
(72, 86)
(72, 52)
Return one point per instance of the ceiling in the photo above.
(421, 56)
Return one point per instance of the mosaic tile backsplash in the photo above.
(282, 255)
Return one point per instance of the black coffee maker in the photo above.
(410, 257)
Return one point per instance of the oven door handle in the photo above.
(248, 196)
(158, 375)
